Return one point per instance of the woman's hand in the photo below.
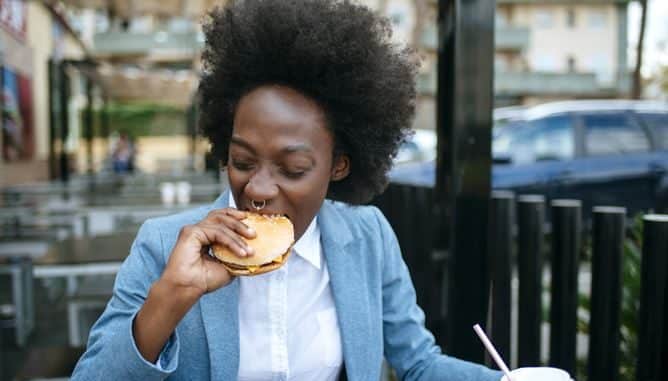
(190, 268)
(189, 274)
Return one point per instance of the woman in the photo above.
(301, 101)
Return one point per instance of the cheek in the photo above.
(305, 197)
(236, 179)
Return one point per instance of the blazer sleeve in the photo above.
(409, 347)
(112, 353)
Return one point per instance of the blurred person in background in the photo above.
(306, 103)
(123, 154)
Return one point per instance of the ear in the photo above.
(340, 168)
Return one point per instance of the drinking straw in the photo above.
(492, 351)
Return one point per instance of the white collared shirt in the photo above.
(288, 328)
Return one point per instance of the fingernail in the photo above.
(251, 230)
(249, 250)
(243, 252)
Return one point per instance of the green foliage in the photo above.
(630, 300)
(663, 78)
(140, 119)
(630, 304)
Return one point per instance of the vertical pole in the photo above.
(653, 333)
(531, 217)
(566, 231)
(606, 292)
(104, 122)
(64, 84)
(104, 126)
(88, 128)
(503, 222)
(191, 124)
(53, 80)
(464, 121)
(2, 127)
(3, 355)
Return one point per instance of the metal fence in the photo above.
(523, 245)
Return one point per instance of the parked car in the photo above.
(608, 152)
(421, 146)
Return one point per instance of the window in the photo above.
(544, 18)
(570, 18)
(571, 64)
(503, 133)
(554, 138)
(179, 25)
(142, 24)
(501, 19)
(546, 139)
(601, 65)
(658, 123)
(597, 19)
(501, 63)
(545, 62)
(609, 134)
(101, 21)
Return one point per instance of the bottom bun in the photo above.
(240, 270)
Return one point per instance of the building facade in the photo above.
(560, 49)
(545, 50)
(32, 34)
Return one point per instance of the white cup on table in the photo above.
(167, 193)
(538, 374)
(183, 189)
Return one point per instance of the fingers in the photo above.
(222, 235)
(231, 218)
(232, 212)
(222, 227)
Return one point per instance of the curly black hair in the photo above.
(338, 53)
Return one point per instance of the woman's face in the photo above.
(281, 152)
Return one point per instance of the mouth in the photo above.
(265, 212)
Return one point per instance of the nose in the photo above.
(261, 186)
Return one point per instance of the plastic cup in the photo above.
(167, 193)
(183, 189)
(538, 374)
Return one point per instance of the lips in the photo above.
(265, 211)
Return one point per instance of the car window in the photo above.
(502, 135)
(609, 134)
(549, 138)
(659, 124)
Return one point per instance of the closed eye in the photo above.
(294, 175)
(242, 165)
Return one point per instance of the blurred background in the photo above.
(99, 133)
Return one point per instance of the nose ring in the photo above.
(258, 205)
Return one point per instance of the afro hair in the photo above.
(336, 52)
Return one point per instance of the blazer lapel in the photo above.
(220, 317)
(220, 309)
(346, 277)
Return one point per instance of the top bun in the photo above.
(274, 238)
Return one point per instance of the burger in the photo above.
(271, 246)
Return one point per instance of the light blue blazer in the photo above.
(373, 294)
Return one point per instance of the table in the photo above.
(72, 259)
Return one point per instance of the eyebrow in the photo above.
(241, 142)
(289, 149)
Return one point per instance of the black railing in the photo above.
(410, 211)
(531, 233)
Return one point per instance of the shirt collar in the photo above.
(308, 246)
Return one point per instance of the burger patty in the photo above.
(242, 267)
(238, 267)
